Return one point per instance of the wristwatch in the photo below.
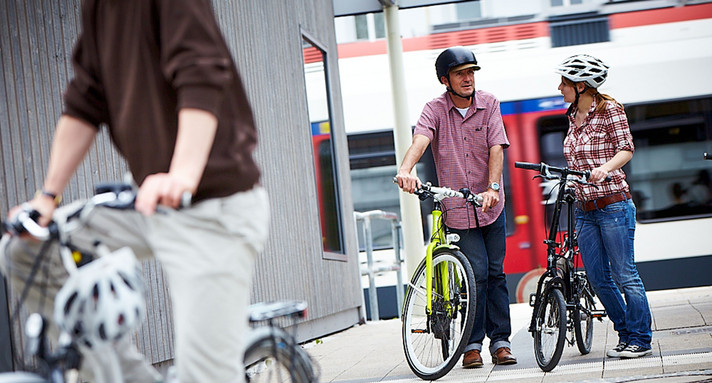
(56, 198)
(494, 186)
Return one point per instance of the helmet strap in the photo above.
(571, 107)
(450, 90)
(468, 98)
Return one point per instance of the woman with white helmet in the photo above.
(599, 140)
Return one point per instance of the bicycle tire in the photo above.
(583, 320)
(550, 329)
(272, 356)
(433, 343)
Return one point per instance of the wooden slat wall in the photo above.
(36, 38)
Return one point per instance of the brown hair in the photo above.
(601, 98)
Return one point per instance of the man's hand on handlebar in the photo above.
(41, 204)
(408, 182)
(161, 189)
(490, 199)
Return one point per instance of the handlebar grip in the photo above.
(527, 165)
(587, 175)
(186, 199)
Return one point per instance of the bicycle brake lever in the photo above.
(423, 195)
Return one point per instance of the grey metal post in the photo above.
(399, 261)
(410, 205)
(372, 292)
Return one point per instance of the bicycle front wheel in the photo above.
(583, 318)
(273, 356)
(433, 340)
(550, 329)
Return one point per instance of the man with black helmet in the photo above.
(465, 130)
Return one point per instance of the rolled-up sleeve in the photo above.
(194, 57)
(619, 130)
(427, 123)
(84, 96)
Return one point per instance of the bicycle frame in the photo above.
(565, 196)
(438, 239)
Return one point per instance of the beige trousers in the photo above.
(207, 252)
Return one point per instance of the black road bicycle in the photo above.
(564, 302)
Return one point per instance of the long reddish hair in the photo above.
(601, 98)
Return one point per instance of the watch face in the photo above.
(494, 186)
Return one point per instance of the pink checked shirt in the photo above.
(599, 138)
(461, 151)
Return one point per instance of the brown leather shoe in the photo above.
(503, 355)
(472, 359)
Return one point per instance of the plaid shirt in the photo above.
(595, 142)
(461, 151)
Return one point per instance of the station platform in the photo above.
(682, 350)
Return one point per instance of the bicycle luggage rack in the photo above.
(370, 269)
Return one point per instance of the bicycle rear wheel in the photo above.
(433, 342)
(273, 356)
(583, 319)
(550, 329)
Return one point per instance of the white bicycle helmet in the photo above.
(584, 68)
(102, 300)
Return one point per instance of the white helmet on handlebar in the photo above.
(102, 300)
(584, 68)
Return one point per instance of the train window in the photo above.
(373, 165)
(318, 105)
(373, 189)
(668, 175)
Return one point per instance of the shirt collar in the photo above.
(451, 105)
(572, 116)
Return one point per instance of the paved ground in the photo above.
(682, 350)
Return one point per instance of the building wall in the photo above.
(36, 38)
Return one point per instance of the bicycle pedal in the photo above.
(598, 315)
(418, 331)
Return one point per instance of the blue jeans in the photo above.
(485, 249)
(605, 238)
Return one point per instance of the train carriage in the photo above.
(660, 62)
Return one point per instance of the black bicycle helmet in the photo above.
(453, 57)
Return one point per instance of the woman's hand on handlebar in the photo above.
(597, 175)
(407, 182)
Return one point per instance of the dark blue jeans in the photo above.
(605, 238)
(485, 249)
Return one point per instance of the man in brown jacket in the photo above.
(158, 74)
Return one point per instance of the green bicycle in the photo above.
(439, 305)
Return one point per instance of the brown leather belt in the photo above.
(600, 203)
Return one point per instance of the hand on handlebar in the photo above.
(490, 199)
(598, 175)
(407, 182)
(42, 205)
(161, 189)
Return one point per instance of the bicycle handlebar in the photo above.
(546, 169)
(112, 195)
(440, 192)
